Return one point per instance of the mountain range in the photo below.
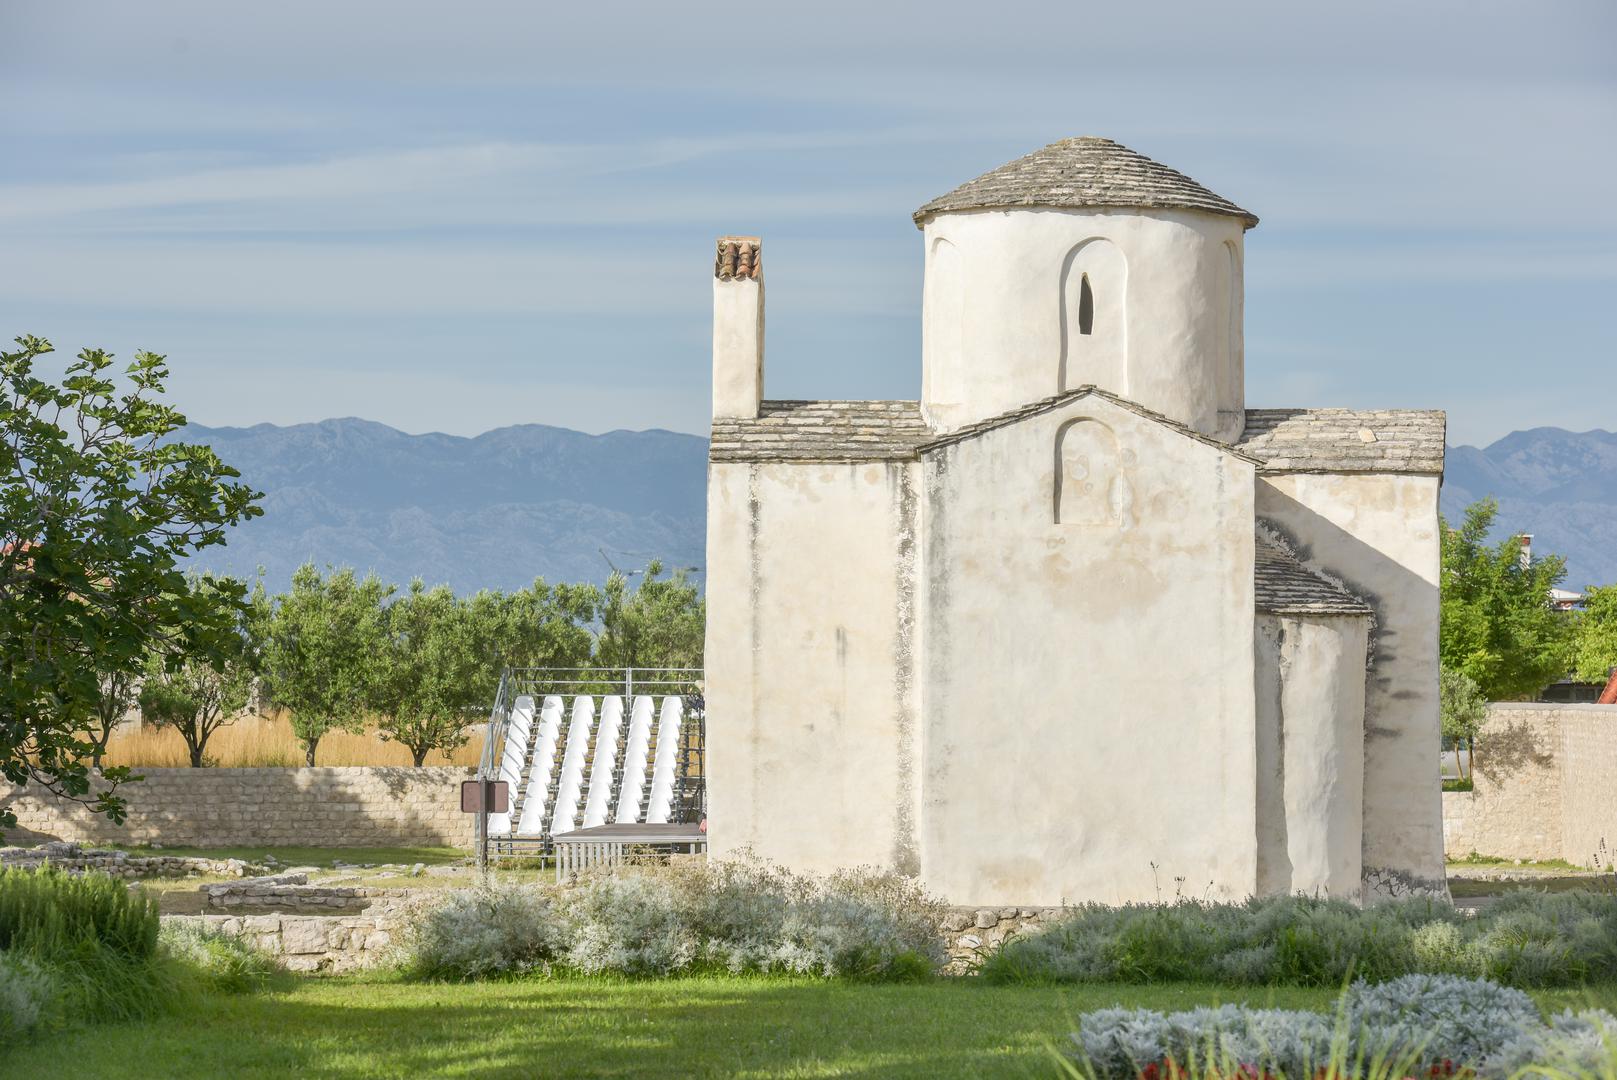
(494, 511)
(1560, 486)
(500, 509)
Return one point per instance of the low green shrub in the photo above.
(727, 916)
(1432, 1026)
(1526, 939)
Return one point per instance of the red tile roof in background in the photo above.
(1608, 696)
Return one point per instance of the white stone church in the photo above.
(1077, 623)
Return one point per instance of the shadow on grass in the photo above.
(585, 1028)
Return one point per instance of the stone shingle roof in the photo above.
(1082, 173)
(1277, 440)
(1285, 586)
(1346, 440)
(1045, 404)
(822, 431)
(884, 430)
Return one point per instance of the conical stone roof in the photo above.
(1081, 173)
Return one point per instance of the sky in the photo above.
(454, 217)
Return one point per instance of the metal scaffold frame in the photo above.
(524, 691)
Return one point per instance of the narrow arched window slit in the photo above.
(1086, 306)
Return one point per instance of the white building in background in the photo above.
(1077, 623)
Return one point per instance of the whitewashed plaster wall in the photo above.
(1378, 534)
(1088, 687)
(1310, 701)
(1000, 312)
(812, 699)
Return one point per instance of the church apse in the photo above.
(1094, 345)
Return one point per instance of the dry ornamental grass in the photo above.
(254, 742)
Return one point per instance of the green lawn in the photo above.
(752, 1027)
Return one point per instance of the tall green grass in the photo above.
(45, 913)
(86, 947)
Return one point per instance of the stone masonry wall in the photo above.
(320, 807)
(1588, 779)
(969, 934)
(1541, 785)
(314, 943)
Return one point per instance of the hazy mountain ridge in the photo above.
(521, 502)
(496, 510)
(1559, 485)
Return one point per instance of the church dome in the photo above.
(1083, 173)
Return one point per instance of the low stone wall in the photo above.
(314, 943)
(1541, 785)
(320, 807)
(75, 859)
(293, 891)
(969, 934)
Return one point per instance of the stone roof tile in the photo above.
(1082, 173)
(1346, 440)
(822, 431)
(1284, 586)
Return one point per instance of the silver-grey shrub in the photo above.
(475, 933)
(1389, 1030)
(26, 992)
(628, 923)
(732, 916)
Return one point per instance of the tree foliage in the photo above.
(197, 697)
(1595, 649)
(98, 506)
(322, 647)
(119, 693)
(1462, 706)
(658, 624)
(1498, 625)
(434, 673)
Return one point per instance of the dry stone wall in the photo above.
(1541, 785)
(319, 807)
(314, 943)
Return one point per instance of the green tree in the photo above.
(323, 650)
(435, 672)
(1498, 625)
(1595, 647)
(658, 624)
(1463, 707)
(196, 696)
(540, 626)
(98, 506)
(119, 691)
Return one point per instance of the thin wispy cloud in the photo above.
(356, 186)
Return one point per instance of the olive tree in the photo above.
(323, 650)
(1463, 707)
(433, 672)
(197, 697)
(99, 504)
(658, 624)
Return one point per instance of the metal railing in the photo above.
(690, 790)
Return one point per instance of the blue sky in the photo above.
(454, 217)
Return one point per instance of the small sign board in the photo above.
(471, 797)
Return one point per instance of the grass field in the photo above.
(753, 1027)
(254, 742)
